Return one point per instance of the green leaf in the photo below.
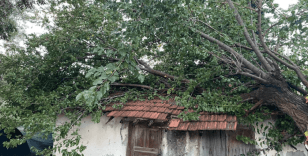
(79, 96)
(97, 81)
(141, 78)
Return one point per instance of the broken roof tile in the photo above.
(193, 126)
(183, 126)
(162, 116)
(161, 109)
(139, 114)
(174, 123)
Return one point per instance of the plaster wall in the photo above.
(101, 139)
(287, 150)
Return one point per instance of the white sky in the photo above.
(28, 27)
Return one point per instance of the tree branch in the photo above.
(295, 68)
(254, 77)
(131, 85)
(301, 90)
(159, 73)
(230, 50)
(246, 34)
(259, 103)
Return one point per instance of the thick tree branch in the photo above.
(299, 89)
(259, 103)
(246, 34)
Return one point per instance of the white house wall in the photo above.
(287, 150)
(111, 140)
(101, 139)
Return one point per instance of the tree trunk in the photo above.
(278, 93)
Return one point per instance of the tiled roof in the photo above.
(162, 110)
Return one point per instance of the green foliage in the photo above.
(95, 44)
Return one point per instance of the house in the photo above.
(151, 128)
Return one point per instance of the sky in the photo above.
(28, 27)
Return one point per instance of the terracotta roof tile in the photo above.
(213, 118)
(139, 114)
(125, 114)
(231, 118)
(174, 123)
(109, 108)
(154, 109)
(146, 108)
(190, 110)
(222, 117)
(125, 108)
(231, 126)
(222, 125)
(161, 109)
(173, 107)
(118, 113)
(159, 105)
(112, 113)
(212, 125)
(132, 114)
(162, 116)
(147, 104)
(147, 114)
(154, 115)
(203, 117)
(176, 112)
(180, 107)
(139, 108)
(183, 126)
(166, 105)
(168, 110)
(202, 126)
(193, 126)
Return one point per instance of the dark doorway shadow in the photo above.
(20, 150)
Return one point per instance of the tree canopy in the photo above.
(224, 56)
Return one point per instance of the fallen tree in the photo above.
(210, 51)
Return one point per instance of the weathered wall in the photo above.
(101, 139)
(287, 150)
(208, 143)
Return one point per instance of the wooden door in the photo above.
(146, 141)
